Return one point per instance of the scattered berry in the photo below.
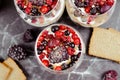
(72, 45)
(28, 36)
(17, 52)
(110, 75)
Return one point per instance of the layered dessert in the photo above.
(59, 47)
(90, 13)
(40, 12)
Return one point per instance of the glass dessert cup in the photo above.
(87, 20)
(44, 19)
(62, 53)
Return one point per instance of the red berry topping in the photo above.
(45, 62)
(110, 2)
(49, 2)
(58, 34)
(53, 43)
(77, 41)
(70, 51)
(74, 36)
(44, 9)
(45, 33)
(58, 68)
(87, 9)
(27, 10)
(62, 27)
(41, 56)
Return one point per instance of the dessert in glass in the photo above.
(40, 13)
(59, 48)
(90, 13)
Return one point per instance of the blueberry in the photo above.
(41, 48)
(93, 11)
(54, 28)
(79, 4)
(74, 58)
(70, 64)
(72, 45)
(67, 33)
(64, 66)
(44, 42)
(34, 10)
(50, 66)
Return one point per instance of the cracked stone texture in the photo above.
(12, 28)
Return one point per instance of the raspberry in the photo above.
(58, 68)
(45, 62)
(44, 9)
(17, 53)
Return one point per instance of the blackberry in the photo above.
(17, 53)
(54, 28)
(28, 36)
(67, 33)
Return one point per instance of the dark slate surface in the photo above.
(12, 28)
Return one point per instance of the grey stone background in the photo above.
(12, 28)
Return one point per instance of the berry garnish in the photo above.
(67, 33)
(36, 7)
(44, 9)
(110, 75)
(17, 52)
(45, 62)
(58, 34)
(94, 7)
(70, 51)
(64, 66)
(72, 45)
(41, 48)
(58, 68)
(74, 58)
(50, 66)
(58, 55)
(28, 35)
(44, 42)
(54, 28)
(76, 41)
